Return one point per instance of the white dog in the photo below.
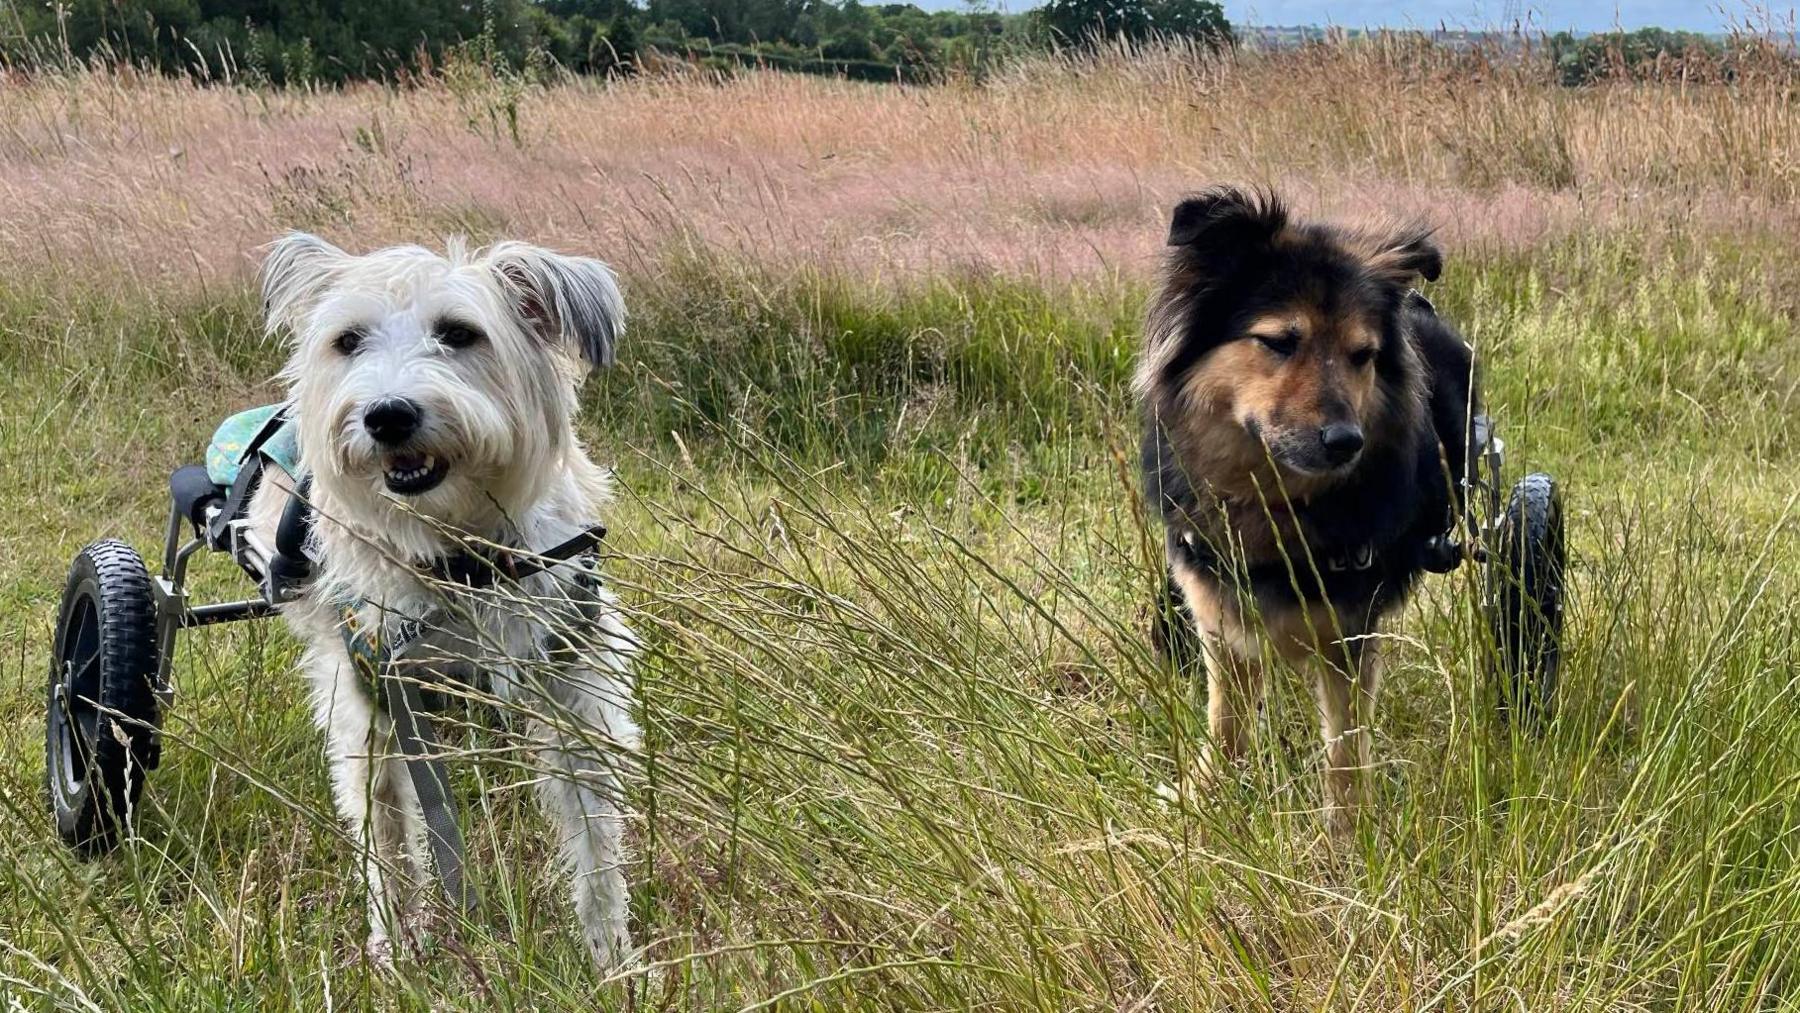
(433, 395)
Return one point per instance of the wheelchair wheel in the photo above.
(100, 729)
(1526, 598)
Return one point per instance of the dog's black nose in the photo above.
(1342, 441)
(391, 421)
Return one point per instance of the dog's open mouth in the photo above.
(412, 474)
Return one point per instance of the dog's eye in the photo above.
(1283, 345)
(348, 342)
(458, 335)
(1362, 357)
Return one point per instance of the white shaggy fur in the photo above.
(497, 411)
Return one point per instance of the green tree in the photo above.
(307, 42)
(1078, 22)
(845, 31)
(1590, 59)
(620, 45)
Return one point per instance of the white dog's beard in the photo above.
(442, 467)
(470, 471)
(417, 499)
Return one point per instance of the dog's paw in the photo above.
(421, 925)
(1200, 784)
(1208, 775)
(1340, 823)
(1329, 856)
(379, 951)
(610, 948)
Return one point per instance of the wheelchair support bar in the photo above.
(226, 612)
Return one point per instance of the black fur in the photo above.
(1236, 257)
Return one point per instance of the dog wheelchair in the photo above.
(110, 681)
(1521, 542)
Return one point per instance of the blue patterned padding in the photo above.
(225, 454)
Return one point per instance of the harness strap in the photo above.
(431, 784)
(376, 662)
(1203, 556)
(483, 568)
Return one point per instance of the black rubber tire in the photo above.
(1527, 590)
(102, 713)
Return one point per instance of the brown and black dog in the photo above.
(1306, 427)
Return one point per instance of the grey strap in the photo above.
(431, 783)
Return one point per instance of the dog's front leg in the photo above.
(1233, 694)
(373, 794)
(1234, 680)
(1346, 687)
(588, 739)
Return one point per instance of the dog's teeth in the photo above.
(427, 466)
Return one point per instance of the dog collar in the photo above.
(1355, 559)
(1360, 557)
(482, 568)
(369, 645)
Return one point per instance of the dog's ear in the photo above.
(297, 270)
(569, 301)
(1225, 220)
(1407, 254)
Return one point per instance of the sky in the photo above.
(1545, 15)
(1549, 15)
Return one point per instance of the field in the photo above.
(877, 523)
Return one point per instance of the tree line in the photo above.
(1658, 54)
(303, 42)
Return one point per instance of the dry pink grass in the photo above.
(1058, 169)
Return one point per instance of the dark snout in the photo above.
(1341, 441)
(391, 421)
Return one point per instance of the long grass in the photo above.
(1057, 168)
(878, 528)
